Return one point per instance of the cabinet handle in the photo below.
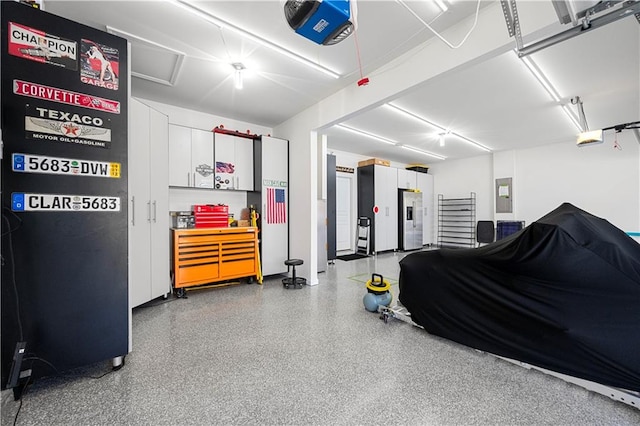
(154, 211)
(149, 211)
(194, 179)
(188, 179)
(133, 210)
(386, 211)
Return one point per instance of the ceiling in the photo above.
(180, 57)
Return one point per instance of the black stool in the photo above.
(293, 281)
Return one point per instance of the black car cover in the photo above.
(562, 294)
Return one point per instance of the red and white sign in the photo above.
(36, 45)
(38, 91)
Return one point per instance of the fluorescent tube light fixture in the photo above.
(443, 7)
(420, 151)
(542, 79)
(441, 128)
(472, 142)
(417, 117)
(244, 33)
(441, 139)
(367, 134)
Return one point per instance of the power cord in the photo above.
(13, 272)
(24, 390)
(453, 46)
(58, 373)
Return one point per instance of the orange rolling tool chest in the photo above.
(213, 255)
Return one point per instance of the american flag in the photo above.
(276, 206)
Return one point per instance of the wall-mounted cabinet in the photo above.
(234, 162)
(191, 157)
(149, 203)
(407, 179)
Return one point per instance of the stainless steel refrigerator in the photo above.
(409, 220)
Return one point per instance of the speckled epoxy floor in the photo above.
(250, 354)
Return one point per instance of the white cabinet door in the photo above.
(159, 195)
(386, 198)
(274, 233)
(391, 195)
(425, 185)
(149, 197)
(180, 173)
(244, 164)
(234, 162)
(139, 199)
(225, 155)
(379, 188)
(202, 167)
(406, 179)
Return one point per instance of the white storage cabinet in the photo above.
(407, 179)
(378, 200)
(386, 198)
(191, 154)
(234, 162)
(274, 236)
(148, 204)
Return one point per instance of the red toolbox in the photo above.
(211, 216)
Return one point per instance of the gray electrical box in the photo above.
(504, 195)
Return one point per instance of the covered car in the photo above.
(562, 294)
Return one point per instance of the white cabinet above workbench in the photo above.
(234, 162)
(190, 157)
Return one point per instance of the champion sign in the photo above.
(36, 45)
(39, 91)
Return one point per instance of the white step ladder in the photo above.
(362, 236)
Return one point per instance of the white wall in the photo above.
(599, 179)
(458, 178)
(182, 199)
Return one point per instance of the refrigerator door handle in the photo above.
(413, 204)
